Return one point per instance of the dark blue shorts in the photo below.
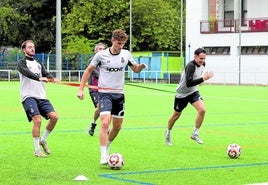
(181, 103)
(94, 95)
(112, 103)
(33, 106)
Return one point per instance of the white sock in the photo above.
(45, 135)
(108, 147)
(36, 141)
(103, 151)
(168, 131)
(195, 132)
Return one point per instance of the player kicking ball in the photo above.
(112, 63)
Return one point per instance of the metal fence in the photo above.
(146, 76)
(76, 75)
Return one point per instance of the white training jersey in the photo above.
(190, 79)
(30, 87)
(112, 69)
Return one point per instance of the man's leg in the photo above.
(37, 119)
(174, 117)
(201, 110)
(53, 118)
(105, 122)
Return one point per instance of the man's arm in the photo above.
(23, 69)
(45, 73)
(189, 73)
(138, 67)
(84, 79)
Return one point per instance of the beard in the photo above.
(30, 54)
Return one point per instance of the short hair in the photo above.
(119, 35)
(199, 50)
(97, 45)
(23, 45)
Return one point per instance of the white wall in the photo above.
(257, 8)
(228, 68)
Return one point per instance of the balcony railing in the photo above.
(232, 25)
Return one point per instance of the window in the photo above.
(218, 50)
(229, 12)
(254, 50)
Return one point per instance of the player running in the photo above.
(112, 63)
(187, 92)
(93, 93)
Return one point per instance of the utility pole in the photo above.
(58, 40)
(130, 26)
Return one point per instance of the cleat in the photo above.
(196, 138)
(167, 139)
(38, 153)
(92, 129)
(44, 146)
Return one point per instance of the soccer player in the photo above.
(187, 92)
(94, 95)
(112, 63)
(33, 75)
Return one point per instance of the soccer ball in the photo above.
(116, 161)
(233, 150)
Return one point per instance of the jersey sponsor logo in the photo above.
(114, 69)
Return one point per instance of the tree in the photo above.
(94, 21)
(155, 26)
(30, 19)
(155, 23)
(10, 21)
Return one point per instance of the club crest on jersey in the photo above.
(122, 60)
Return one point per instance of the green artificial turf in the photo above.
(235, 114)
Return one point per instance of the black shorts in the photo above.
(181, 103)
(33, 106)
(94, 95)
(112, 103)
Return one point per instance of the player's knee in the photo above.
(53, 117)
(117, 127)
(37, 119)
(105, 125)
(176, 115)
(202, 111)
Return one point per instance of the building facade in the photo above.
(235, 35)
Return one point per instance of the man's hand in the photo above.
(43, 79)
(53, 80)
(207, 75)
(144, 66)
(80, 94)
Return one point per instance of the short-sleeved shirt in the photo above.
(112, 69)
